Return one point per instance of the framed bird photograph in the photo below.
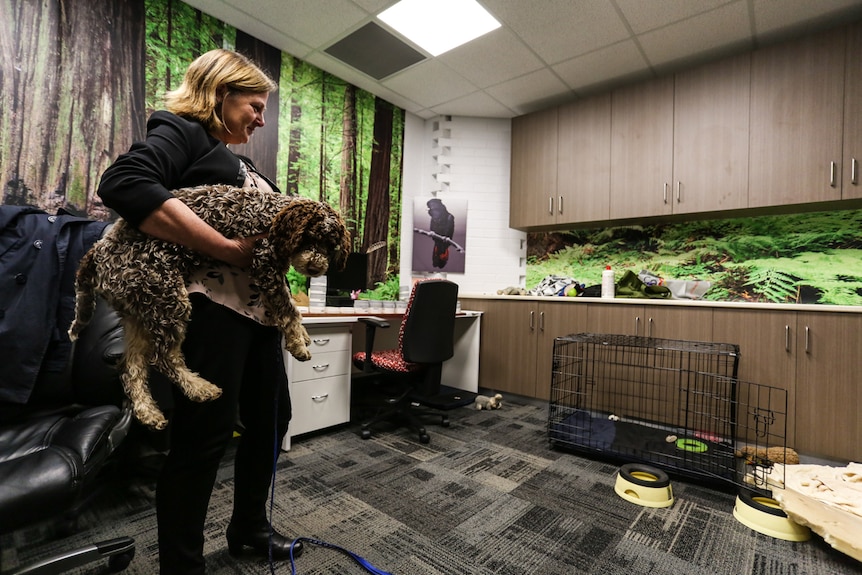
(439, 234)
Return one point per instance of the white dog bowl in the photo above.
(644, 485)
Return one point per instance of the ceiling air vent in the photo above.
(374, 51)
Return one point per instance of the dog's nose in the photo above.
(314, 269)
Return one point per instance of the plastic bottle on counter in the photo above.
(608, 284)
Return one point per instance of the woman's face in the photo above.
(241, 113)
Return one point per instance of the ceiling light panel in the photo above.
(437, 26)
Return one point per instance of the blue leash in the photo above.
(359, 560)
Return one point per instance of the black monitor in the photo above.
(353, 277)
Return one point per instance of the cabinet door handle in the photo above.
(532, 320)
(665, 192)
(550, 205)
(561, 204)
(854, 171)
(786, 338)
(832, 180)
(649, 327)
(320, 340)
(320, 367)
(678, 191)
(319, 398)
(807, 339)
(542, 321)
(637, 325)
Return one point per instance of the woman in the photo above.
(221, 101)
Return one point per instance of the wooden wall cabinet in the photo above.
(797, 104)
(710, 138)
(584, 160)
(850, 173)
(533, 181)
(642, 149)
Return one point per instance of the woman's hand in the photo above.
(242, 252)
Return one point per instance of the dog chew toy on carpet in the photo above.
(144, 280)
(485, 402)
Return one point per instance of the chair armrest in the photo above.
(371, 325)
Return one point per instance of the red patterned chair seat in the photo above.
(388, 360)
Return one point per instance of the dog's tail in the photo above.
(85, 294)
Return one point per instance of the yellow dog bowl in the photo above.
(764, 515)
(644, 485)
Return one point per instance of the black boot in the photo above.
(259, 540)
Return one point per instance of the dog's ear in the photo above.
(286, 230)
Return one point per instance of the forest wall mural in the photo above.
(79, 80)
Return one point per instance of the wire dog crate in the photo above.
(674, 404)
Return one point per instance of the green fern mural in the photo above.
(798, 258)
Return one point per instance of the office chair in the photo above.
(55, 447)
(409, 375)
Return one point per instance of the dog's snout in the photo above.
(315, 269)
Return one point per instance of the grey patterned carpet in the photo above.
(486, 496)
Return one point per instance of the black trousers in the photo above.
(245, 360)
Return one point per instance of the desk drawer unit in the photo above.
(320, 387)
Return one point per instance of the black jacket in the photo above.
(177, 153)
(39, 254)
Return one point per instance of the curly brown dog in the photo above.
(144, 280)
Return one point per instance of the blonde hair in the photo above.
(197, 96)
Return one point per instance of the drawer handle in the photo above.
(321, 340)
(319, 397)
(320, 367)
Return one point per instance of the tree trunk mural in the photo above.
(377, 210)
(71, 99)
(79, 80)
(295, 139)
(347, 195)
(263, 147)
(321, 169)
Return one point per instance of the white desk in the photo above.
(320, 387)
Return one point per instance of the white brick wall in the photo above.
(471, 163)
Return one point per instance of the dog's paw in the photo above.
(203, 391)
(300, 353)
(152, 419)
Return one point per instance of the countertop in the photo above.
(800, 307)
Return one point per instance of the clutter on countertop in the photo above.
(679, 289)
(557, 286)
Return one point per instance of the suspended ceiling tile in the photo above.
(558, 30)
(644, 16)
(477, 104)
(606, 66)
(492, 58)
(531, 92)
(429, 83)
(310, 21)
(771, 17)
(724, 30)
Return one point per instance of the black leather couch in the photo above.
(55, 448)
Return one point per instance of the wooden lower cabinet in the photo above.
(767, 349)
(517, 343)
(829, 385)
(693, 324)
(815, 357)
